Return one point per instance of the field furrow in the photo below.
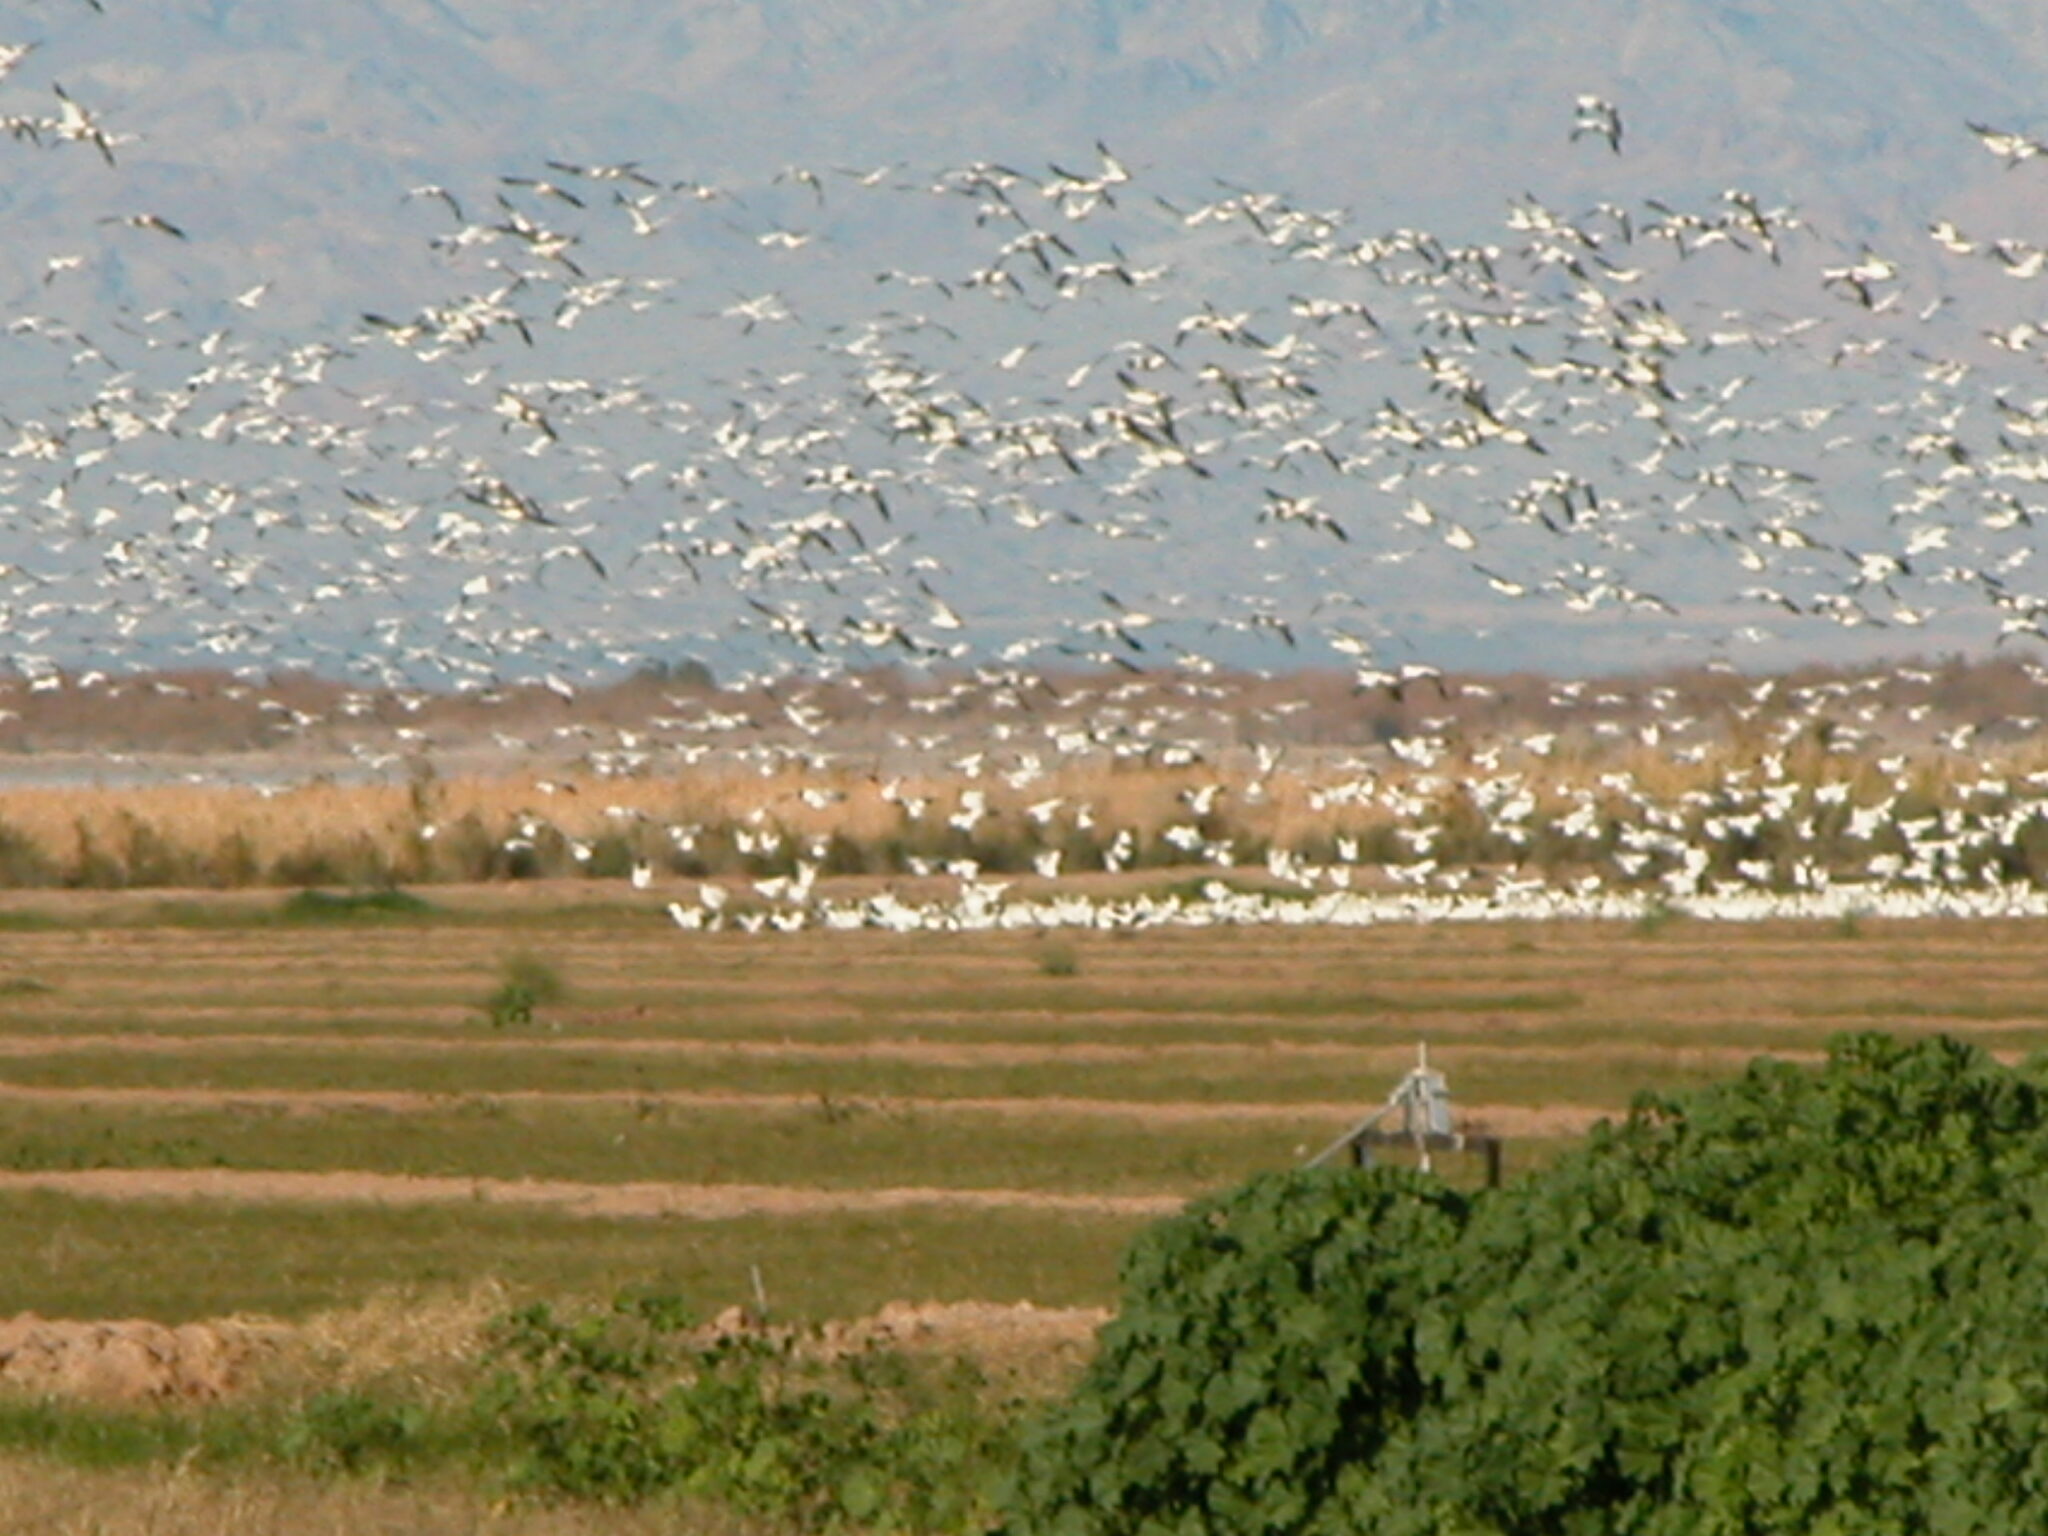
(203, 1107)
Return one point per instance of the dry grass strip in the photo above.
(38, 1498)
(694, 1202)
(1500, 1119)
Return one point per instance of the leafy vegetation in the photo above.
(625, 1405)
(176, 1262)
(1801, 1301)
(1797, 1301)
(616, 1406)
(525, 982)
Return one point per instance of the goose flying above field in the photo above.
(1599, 118)
(75, 125)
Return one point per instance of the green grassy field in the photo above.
(175, 1262)
(195, 1058)
(140, 1034)
(830, 1145)
(1187, 1073)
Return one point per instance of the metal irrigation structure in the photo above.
(1417, 1115)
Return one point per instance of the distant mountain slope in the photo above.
(289, 125)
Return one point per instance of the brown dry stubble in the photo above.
(39, 1498)
(1502, 1119)
(701, 1202)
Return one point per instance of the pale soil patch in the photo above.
(691, 1202)
(988, 1331)
(137, 1361)
(915, 1052)
(133, 1360)
(938, 1053)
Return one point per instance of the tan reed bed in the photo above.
(724, 818)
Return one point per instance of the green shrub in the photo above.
(92, 866)
(309, 864)
(233, 863)
(464, 849)
(525, 982)
(1263, 1349)
(23, 861)
(1803, 1301)
(612, 857)
(628, 1404)
(152, 859)
(353, 1431)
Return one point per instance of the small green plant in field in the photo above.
(1849, 925)
(1057, 957)
(525, 982)
(353, 1431)
(24, 986)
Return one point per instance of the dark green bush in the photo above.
(354, 1431)
(1263, 1350)
(1802, 1301)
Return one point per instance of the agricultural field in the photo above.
(333, 1138)
(246, 1104)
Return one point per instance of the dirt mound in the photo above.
(132, 1361)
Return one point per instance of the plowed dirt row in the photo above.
(696, 1202)
(134, 1360)
(937, 1053)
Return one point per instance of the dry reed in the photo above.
(724, 818)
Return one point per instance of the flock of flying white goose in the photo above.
(1003, 424)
